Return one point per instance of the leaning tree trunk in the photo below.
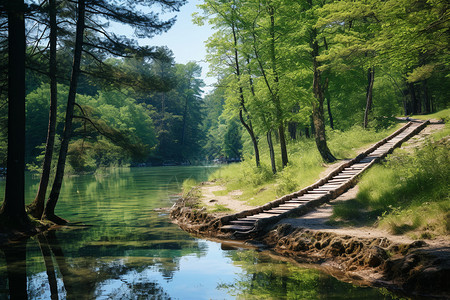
(317, 106)
(369, 95)
(49, 212)
(36, 208)
(13, 209)
(247, 125)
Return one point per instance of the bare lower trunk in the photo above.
(427, 97)
(13, 209)
(49, 212)
(36, 208)
(272, 153)
(250, 131)
(307, 135)
(371, 79)
(415, 101)
(330, 116)
(284, 156)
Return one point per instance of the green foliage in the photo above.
(218, 208)
(409, 193)
(188, 185)
(232, 144)
(259, 185)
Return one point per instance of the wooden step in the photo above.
(262, 215)
(243, 222)
(278, 211)
(291, 205)
(236, 227)
(317, 192)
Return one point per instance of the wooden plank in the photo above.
(317, 192)
(279, 211)
(298, 201)
(326, 188)
(236, 227)
(248, 222)
(290, 205)
(262, 216)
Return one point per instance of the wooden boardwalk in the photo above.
(252, 222)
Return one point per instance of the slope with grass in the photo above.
(409, 193)
(259, 185)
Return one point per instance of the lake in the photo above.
(126, 248)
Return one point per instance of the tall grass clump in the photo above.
(188, 185)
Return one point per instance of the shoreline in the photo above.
(364, 255)
(414, 268)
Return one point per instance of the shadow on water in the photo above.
(16, 270)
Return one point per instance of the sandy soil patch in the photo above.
(209, 199)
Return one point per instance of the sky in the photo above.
(186, 40)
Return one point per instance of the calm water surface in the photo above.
(130, 250)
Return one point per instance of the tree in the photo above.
(145, 26)
(225, 17)
(36, 208)
(13, 209)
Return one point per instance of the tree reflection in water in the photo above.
(266, 278)
(16, 269)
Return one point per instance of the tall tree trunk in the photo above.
(369, 93)
(427, 97)
(272, 153)
(317, 105)
(414, 100)
(330, 116)
(36, 208)
(49, 212)
(275, 90)
(292, 128)
(13, 208)
(247, 125)
(183, 128)
(326, 93)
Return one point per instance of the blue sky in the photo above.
(186, 40)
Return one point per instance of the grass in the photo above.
(217, 208)
(260, 186)
(409, 194)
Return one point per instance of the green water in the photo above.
(130, 250)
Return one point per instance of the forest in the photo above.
(287, 71)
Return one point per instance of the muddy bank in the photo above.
(415, 268)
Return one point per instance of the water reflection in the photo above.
(16, 270)
(265, 278)
(132, 251)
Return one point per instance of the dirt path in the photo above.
(318, 218)
(209, 199)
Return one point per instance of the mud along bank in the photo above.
(416, 268)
